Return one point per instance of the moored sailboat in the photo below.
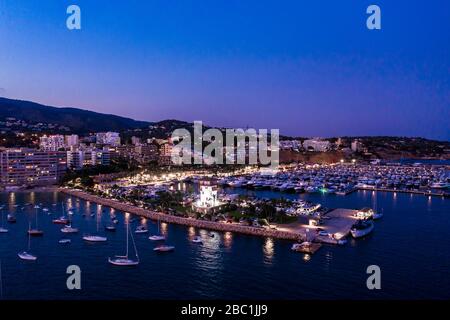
(95, 237)
(159, 236)
(36, 232)
(26, 255)
(362, 228)
(125, 260)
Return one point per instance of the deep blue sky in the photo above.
(309, 68)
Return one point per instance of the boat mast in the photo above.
(127, 224)
(134, 245)
(374, 202)
(1, 281)
(29, 236)
(37, 219)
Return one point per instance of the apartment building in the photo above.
(20, 167)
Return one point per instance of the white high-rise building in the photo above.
(51, 143)
(316, 145)
(356, 145)
(71, 140)
(108, 138)
(75, 159)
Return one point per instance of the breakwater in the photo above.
(191, 222)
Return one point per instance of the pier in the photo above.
(337, 222)
(211, 225)
(425, 193)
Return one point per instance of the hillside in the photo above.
(31, 116)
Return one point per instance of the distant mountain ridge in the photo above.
(77, 120)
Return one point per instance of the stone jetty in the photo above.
(192, 222)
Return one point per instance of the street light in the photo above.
(353, 161)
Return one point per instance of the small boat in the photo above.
(11, 218)
(36, 207)
(45, 209)
(440, 185)
(157, 238)
(110, 228)
(141, 229)
(27, 256)
(94, 238)
(362, 228)
(125, 260)
(122, 261)
(61, 220)
(69, 229)
(197, 239)
(3, 230)
(35, 232)
(164, 248)
(65, 241)
(115, 221)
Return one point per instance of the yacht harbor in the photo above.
(206, 251)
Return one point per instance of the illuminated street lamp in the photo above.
(353, 161)
(342, 160)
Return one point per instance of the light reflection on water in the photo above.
(268, 249)
(231, 265)
(228, 239)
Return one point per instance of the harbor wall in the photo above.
(192, 222)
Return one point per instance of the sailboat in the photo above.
(35, 232)
(159, 236)
(26, 255)
(142, 228)
(125, 260)
(96, 237)
(63, 219)
(11, 218)
(2, 228)
(68, 228)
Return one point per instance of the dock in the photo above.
(337, 223)
(425, 193)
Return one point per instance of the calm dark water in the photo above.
(411, 244)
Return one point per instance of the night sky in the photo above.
(309, 68)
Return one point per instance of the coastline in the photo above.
(190, 222)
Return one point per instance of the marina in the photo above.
(224, 256)
(338, 178)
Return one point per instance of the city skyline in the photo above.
(307, 69)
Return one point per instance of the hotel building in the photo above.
(52, 142)
(30, 167)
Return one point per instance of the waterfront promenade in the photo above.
(211, 225)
